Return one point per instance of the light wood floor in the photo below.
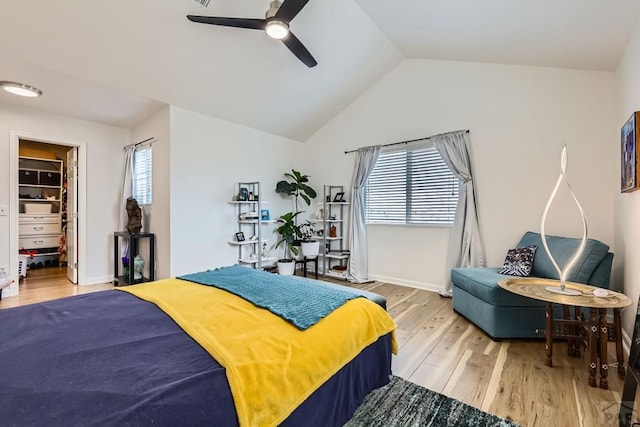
(45, 284)
(446, 353)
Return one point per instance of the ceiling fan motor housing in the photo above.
(273, 9)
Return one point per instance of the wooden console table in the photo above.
(595, 330)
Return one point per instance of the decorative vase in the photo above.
(138, 266)
(125, 266)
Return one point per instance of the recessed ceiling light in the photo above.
(21, 89)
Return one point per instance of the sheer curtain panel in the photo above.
(465, 243)
(366, 158)
(126, 190)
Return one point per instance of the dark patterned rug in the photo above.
(402, 403)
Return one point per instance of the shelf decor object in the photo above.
(563, 273)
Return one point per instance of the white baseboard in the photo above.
(410, 283)
(97, 280)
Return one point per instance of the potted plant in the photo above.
(297, 187)
(310, 247)
(289, 232)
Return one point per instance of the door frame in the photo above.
(14, 141)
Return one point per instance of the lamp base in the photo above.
(565, 291)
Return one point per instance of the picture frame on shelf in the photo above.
(339, 197)
(264, 215)
(240, 236)
(629, 154)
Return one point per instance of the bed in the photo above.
(125, 358)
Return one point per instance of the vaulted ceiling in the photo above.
(116, 62)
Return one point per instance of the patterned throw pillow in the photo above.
(519, 261)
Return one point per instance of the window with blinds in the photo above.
(142, 173)
(411, 186)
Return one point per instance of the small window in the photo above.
(142, 174)
(410, 186)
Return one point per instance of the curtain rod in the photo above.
(401, 142)
(139, 143)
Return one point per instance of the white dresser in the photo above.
(40, 231)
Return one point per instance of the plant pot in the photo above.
(286, 267)
(310, 248)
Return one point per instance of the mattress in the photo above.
(110, 358)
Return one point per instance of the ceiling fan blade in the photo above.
(253, 24)
(299, 50)
(290, 8)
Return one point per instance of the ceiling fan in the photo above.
(275, 24)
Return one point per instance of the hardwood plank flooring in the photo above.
(45, 284)
(443, 351)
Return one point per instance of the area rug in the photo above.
(402, 404)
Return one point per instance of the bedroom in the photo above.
(519, 117)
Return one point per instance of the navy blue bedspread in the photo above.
(109, 358)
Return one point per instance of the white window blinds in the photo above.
(142, 174)
(412, 185)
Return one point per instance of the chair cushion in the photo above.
(562, 249)
(482, 282)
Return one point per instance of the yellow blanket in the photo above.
(271, 366)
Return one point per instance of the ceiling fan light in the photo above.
(277, 29)
(21, 89)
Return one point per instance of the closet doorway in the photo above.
(46, 203)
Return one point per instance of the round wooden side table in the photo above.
(595, 329)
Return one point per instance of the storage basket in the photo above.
(27, 177)
(49, 178)
(37, 208)
(23, 261)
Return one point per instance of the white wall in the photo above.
(519, 118)
(208, 158)
(627, 205)
(104, 158)
(158, 214)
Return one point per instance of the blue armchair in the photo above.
(502, 314)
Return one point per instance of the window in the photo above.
(412, 185)
(142, 169)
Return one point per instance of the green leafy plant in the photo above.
(289, 232)
(307, 230)
(297, 186)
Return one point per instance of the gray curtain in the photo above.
(126, 191)
(465, 243)
(366, 158)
